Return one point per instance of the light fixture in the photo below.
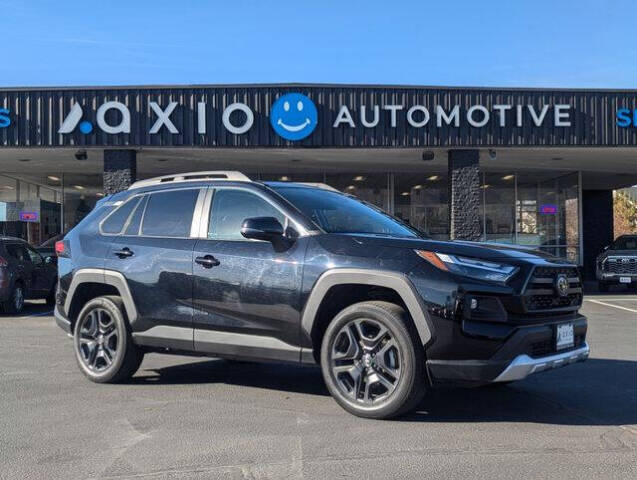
(508, 177)
(359, 178)
(284, 178)
(417, 187)
(99, 194)
(79, 187)
(427, 155)
(81, 155)
(486, 185)
(492, 154)
(350, 187)
(405, 194)
(8, 187)
(433, 178)
(53, 178)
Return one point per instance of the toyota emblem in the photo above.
(561, 285)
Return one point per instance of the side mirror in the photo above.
(606, 248)
(262, 228)
(50, 260)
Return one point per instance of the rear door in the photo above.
(22, 265)
(42, 274)
(154, 252)
(247, 301)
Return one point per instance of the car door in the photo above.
(22, 264)
(41, 273)
(246, 297)
(153, 251)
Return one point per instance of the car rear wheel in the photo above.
(15, 303)
(103, 345)
(372, 360)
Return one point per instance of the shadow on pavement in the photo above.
(30, 309)
(597, 392)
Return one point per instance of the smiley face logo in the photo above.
(293, 116)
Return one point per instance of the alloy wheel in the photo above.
(365, 361)
(98, 340)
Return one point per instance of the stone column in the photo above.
(464, 195)
(120, 170)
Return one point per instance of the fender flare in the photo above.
(381, 278)
(107, 277)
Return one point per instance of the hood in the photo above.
(482, 250)
(618, 253)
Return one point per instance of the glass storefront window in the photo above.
(498, 212)
(423, 202)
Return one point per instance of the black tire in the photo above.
(50, 298)
(104, 347)
(393, 371)
(602, 287)
(15, 303)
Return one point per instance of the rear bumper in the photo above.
(63, 322)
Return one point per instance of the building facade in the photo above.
(521, 166)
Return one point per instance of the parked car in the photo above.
(215, 264)
(24, 274)
(617, 264)
(47, 248)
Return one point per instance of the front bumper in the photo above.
(523, 350)
(614, 277)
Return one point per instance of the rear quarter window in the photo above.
(114, 223)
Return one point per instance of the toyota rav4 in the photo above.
(214, 264)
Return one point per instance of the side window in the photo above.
(135, 219)
(17, 251)
(169, 214)
(114, 223)
(231, 207)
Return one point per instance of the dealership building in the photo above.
(521, 166)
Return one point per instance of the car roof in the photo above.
(11, 239)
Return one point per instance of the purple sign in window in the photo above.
(548, 209)
(28, 216)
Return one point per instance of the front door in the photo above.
(246, 292)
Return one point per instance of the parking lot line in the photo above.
(611, 305)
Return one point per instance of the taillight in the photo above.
(3, 262)
(62, 249)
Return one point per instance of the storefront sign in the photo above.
(28, 216)
(549, 209)
(626, 117)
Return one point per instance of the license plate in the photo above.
(624, 279)
(564, 336)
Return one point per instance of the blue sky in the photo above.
(558, 43)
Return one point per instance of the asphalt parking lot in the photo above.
(207, 418)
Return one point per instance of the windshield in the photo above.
(625, 243)
(338, 213)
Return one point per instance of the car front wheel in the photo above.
(103, 345)
(372, 360)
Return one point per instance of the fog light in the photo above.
(474, 304)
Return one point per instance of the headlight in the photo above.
(470, 267)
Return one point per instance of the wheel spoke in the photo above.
(368, 341)
(353, 350)
(388, 349)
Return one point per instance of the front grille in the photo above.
(541, 293)
(620, 265)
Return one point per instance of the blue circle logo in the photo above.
(293, 116)
(86, 127)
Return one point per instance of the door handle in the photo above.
(123, 253)
(207, 261)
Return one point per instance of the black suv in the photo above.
(212, 263)
(24, 274)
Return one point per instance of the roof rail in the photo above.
(192, 177)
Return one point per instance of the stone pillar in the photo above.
(464, 195)
(597, 227)
(120, 170)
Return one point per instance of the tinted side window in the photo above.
(231, 207)
(116, 220)
(169, 214)
(18, 252)
(34, 256)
